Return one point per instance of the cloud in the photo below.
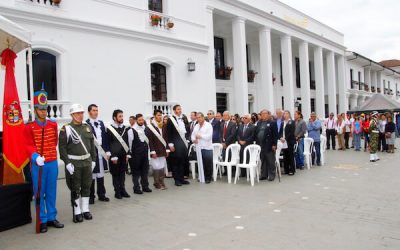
(370, 27)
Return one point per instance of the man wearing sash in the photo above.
(139, 163)
(117, 136)
(159, 149)
(103, 154)
(78, 152)
(176, 137)
(42, 135)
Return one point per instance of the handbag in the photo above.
(388, 135)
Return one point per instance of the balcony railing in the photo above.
(55, 3)
(354, 84)
(165, 107)
(56, 110)
(366, 87)
(160, 21)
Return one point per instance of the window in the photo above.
(156, 5)
(219, 58)
(298, 84)
(312, 104)
(351, 78)
(44, 71)
(359, 80)
(247, 57)
(312, 79)
(222, 102)
(158, 83)
(280, 65)
(283, 103)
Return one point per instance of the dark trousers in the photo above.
(346, 139)
(207, 157)
(317, 153)
(366, 140)
(178, 166)
(268, 168)
(382, 142)
(288, 159)
(101, 189)
(330, 136)
(241, 153)
(140, 170)
(118, 175)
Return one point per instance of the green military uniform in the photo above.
(81, 158)
(373, 138)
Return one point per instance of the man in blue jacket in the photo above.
(314, 132)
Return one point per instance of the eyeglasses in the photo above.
(209, 113)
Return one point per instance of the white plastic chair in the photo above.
(234, 151)
(253, 151)
(192, 162)
(278, 158)
(308, 147)
(323, 148)
(217, 152)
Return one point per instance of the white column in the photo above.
(239, 66)
(380, 82)
(265, 93)
(319, 82)
(330, 65)
(212, 102)
(373, 80)
(287, 70)
(343, 101)
(305, 79)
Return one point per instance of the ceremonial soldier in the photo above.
(117, 134)
(177, 133)
(78, 152)
(42, 136)
(159, 149)
(139, 162)
(103, 154)
(373, 137)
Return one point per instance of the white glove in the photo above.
(70, 168)
(40, 160)
(93, 165)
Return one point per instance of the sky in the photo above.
(370, 27)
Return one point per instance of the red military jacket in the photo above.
(50, 139)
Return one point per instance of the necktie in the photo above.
(225, 129)
(244, 129)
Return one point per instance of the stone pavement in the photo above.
(349, 203)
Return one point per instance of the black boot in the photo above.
(87, 216)
(78, 218)
(55, 223)
(43, 228)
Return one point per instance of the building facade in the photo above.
(237, 55)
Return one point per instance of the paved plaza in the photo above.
(349, 203)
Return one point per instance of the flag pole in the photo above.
(31, 90)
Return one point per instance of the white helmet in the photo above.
(76, 108)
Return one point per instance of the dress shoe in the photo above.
(55, 223)
(125, 194)
(318, 164)
(147, 190)
(137, 191)
(91, 200)
(263, 178)
(118, 196)
(178, 184)
(208, 181)
(87, 216)
(78, 218)
(185, 182)
(104, 198)
(43, 228)
(271, 179)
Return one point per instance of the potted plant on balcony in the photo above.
(251, 74)
(170, 24)
(155, 19)
(228, 71)
(56, 2)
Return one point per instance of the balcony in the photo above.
(366, 87)
(165, 107)
(160, 21)
(55, 3)
(378, 90)
(57, 110)
(251, 75)
(223, 73)
(354, 85)
(373, 89)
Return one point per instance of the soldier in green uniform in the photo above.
(78, 151)
(374, 137)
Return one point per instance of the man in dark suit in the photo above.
(268, 145)
(177, 133)
(228, 133)
(100, 135)
(216, 125)
(193, 121)
(287, 136)
(245, 137)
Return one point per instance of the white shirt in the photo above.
(339, 127)
(348, 123)
(140, 131)
(331, 123)
(205, 132)
(181, 124)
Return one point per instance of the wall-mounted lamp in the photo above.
(191, 65)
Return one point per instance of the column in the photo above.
(330, 65)
(265, 93)
(319, 82)
(373, 80)
(211, 102)
(305, 79)
(239, 66)
(287, 70)
(343, 101)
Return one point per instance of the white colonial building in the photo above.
(237, 55)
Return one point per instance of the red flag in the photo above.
(14, 153)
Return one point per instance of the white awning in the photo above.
(12, 35)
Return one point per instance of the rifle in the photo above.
(39, 187)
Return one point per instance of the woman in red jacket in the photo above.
(365, 126)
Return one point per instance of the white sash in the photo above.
(200, 164)
(179, 131)
(154, 131)
(119, 138)
(76, 138)
(100, 149)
